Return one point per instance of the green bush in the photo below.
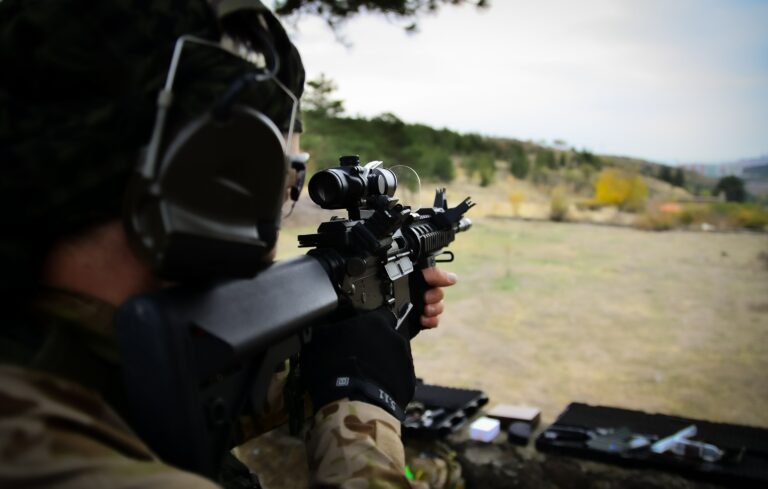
(752, 217)
(732, 187)
(518, 161)
(657, 221)
(722, 215)
(687, 217)
(545, 158)
(483, 165)
(558, 204)
(586, 158)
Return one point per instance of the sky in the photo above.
(674, 81)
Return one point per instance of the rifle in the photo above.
(196, 357)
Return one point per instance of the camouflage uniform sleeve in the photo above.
(355, 445)
(56, 434)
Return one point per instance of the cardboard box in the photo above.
(508, 413)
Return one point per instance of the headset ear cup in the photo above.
(213, 206)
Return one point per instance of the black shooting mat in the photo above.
(745, 463)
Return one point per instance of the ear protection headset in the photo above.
(207, 202)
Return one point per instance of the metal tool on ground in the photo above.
(681, 444)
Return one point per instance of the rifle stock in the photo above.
(195, 356)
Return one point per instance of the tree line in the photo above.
(435, 153)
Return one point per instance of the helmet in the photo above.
(79, 102)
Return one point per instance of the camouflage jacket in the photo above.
(356, 445)
(58, 433)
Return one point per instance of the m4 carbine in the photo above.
(370, 256)
(198, 357)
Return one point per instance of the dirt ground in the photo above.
(549, 313)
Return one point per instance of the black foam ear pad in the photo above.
(213, 205)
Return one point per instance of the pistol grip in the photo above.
(418, 287)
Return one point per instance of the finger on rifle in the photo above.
(437, 277)
(431, 322)
(432, 310)
(433, 296)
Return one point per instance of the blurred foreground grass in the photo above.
(547, 313)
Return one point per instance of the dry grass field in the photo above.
(545, 314)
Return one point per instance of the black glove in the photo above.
(363, 358)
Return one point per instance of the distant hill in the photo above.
(754, 172)
(436, 154)
(695, 181)
(736, 168)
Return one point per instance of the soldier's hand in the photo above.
(433, 297)
(362, 358)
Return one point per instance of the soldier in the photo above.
(78, 91)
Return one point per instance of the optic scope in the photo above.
(350, 185)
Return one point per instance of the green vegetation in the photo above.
(483, 165)
(558, 204)
(586, 158)
(674, 177)
(719, 215)
(518, 161)
(732, 187)
(545, 158)
(750, 216)
(656, 220)
(335, 13)
(679, 178)
(505, 284)
(665, 174)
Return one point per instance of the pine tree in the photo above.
(733, 187)
(319, 97)
(665, 174)
(518, 161)
(679, 178)
(335, 13)
(545, 158)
